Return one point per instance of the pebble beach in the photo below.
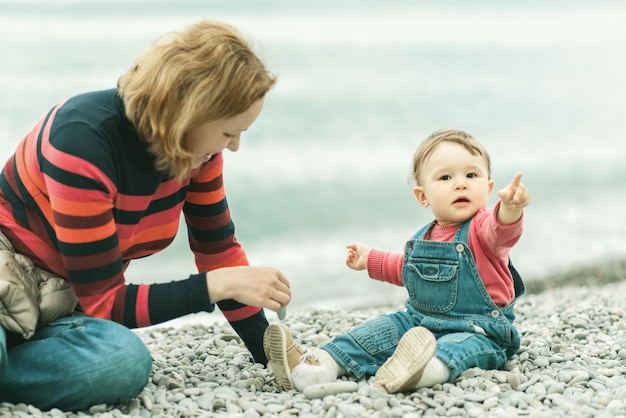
(572, 363)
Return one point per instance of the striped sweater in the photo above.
(80, 197)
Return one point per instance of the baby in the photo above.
(461, 284)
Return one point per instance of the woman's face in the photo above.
(211, 138)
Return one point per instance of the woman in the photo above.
(101, 180)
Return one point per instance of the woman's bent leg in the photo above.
(74, 363)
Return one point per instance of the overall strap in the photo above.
(518, 283)
(420, 234)
(462, 233)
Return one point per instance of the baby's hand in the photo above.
(514, 198)
(515, 195)
(357, 256)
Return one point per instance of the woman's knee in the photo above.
(126, 348)
(123, 363)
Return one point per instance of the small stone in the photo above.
(282, 313)
(322, 390)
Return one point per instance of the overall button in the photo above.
(495, 313)
(459, 248)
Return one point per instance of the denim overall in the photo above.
(447, 296)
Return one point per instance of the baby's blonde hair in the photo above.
(426, 148)
(204, 73)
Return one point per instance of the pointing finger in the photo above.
(516, 180)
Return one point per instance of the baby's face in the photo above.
(455, 183)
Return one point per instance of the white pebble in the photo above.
(325, 389)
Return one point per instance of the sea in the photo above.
(542, 84)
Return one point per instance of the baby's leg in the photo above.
(433, 373)
(359, 352)
(459, 351)
(436, 371)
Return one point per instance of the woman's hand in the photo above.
(255, 286)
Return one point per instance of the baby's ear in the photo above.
(418, 191)
(491, 183)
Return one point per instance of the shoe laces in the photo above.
(307, 353)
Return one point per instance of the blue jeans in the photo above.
(73, 363)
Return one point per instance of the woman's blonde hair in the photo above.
(204, 73)
(426, 148)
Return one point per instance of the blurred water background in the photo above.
(541, 84)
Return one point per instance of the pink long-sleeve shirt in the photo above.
(489, 241)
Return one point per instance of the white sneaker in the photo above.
(403, 370)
